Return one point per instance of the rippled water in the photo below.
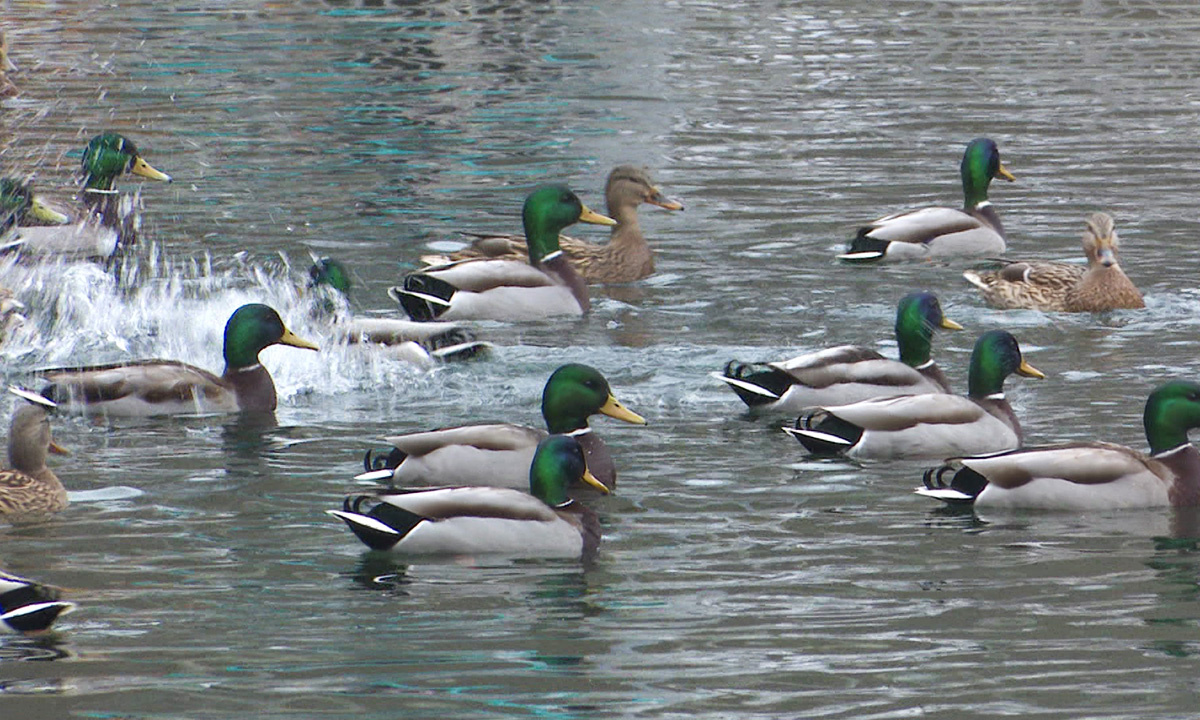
(736, 577)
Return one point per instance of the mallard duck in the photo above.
(1088, 475)
(28, 607)
(922, 426)
(418, 343)
(110, 224)
(941, 232)
(1065, 287)
(454, 456)
(624, 259)
(509, 289)
(492, 520)
(7, 87)
(168, 387)
(849, 373)
(19, 205)
(30, 489)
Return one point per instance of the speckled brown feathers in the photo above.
(1064, 287)
(29, 488)
(625, 258)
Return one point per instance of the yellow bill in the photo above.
(949, 324)
(1030, 371)
(291, 338)
(591, 216)
(143, 168)
(590, 479)
(614, 409)
(44, 213)
(1004, 173)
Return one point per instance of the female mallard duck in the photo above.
(493, 520)
(1065, 287)
(454, 456)
(168, 387)
(7, 87)
(923, 426)
(941, 232)
(29, 489)
(509, 289)
(1089, 475)
(28, 607)
(414, 342)
(110, 224)
(849, 373)
(624, 259)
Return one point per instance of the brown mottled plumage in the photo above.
(625, 258)
(28, 487)
(1064, 287)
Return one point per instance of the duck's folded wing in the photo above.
(1046, 274)
(919, 226)
(153, 381)
(848, 364)
(500, 436)
(900, 413)
(486, 502)
(1080, 463)
(481, 275)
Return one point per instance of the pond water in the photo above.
(737, 578)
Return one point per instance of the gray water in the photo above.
(736, 577)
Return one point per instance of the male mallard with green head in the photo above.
(486, 289)
(924, 426)
(168, 387)
(849, 373)
(625, 258)
(938, 231)
(1088, 475)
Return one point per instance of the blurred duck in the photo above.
(29, 490)
(1065, 287)
(454, 456)
(28, 607)
(502, 289)
(923, 426)
(110, 223)
(418, 343)
(542, 523)
(938, 231)
(626, 258)
(7, 87)
(849, 373)
(18, 205)
(1088, 475)
(168, 387)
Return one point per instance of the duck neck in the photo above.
(985, 380)
(253, 387)
(915, 339)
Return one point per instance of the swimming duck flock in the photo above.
(520, 490)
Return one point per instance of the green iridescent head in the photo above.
(557, 463)
(330, 273)
(981, 163)
(575, 392)
(1171, 410)
(996, 356)
(18, 206)
(917, 316)
(252, 328)
(108, 156)
(548, 211)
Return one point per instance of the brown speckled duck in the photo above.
(625, 258)
(1065, 287)
(28, 488)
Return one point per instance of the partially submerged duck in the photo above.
(849, 373)
(625, 258)
(938, 231)
(421, 343)
(1065, 287)
(543, 523)
(1087, 475)
(29, 607)
(454, 456)
(924, 426)
(168, 387)
(486, 289)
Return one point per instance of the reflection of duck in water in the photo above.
(418, 343)
(110, 222)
